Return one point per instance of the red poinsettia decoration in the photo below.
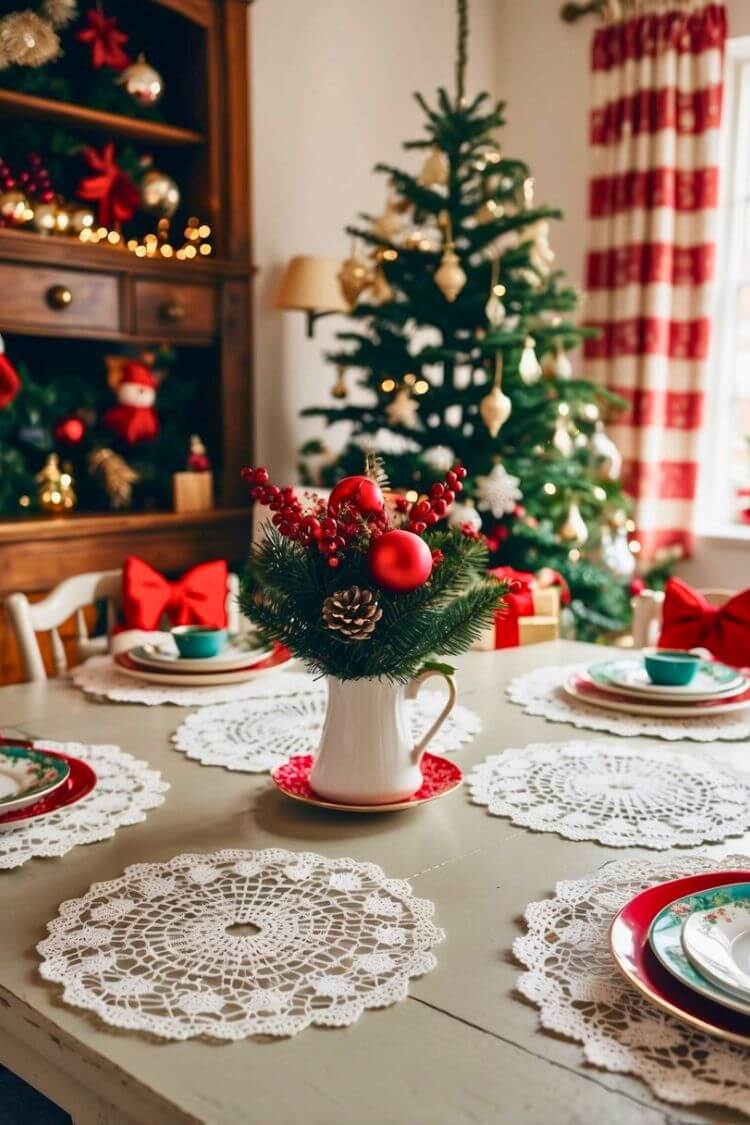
(10, 384)
(106, 40)
(114, 192)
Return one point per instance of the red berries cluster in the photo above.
(425, 513)
(34, 181)
(331, 534)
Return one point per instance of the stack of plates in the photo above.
(685, 945)
(36, 783)
(162, 664)
(623, 685)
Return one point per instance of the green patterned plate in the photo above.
(26, 775)
(665, 939)
(628, 676)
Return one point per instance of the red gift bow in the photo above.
(112, 189)
(198, 598)
(689, 621)
(519, 602)
(106, 41)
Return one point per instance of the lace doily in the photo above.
(262, 734)
(541, 693)
(99, 677)
(573, 981)
(645, 797)
(239, 943)
(125, 788)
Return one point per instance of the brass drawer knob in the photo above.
(172, 311)
(59, 297)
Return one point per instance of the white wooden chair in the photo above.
(70, 598)
(647, 611)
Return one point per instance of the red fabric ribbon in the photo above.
(519, 602)
(689, 621)
(115, 194)
(10, 384)
(198, 598)
(106, 41)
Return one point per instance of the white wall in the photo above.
(332, 95)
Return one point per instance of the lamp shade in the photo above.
(311, 284)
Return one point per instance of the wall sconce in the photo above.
(310, 284)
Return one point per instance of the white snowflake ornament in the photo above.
(498, 492)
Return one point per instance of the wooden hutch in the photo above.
(112, 295)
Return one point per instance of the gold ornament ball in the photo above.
(144, 84)
(449, 276)
(45, 217)
(160, 195)
(81, 218)
(14, 207)
(494, 410)
(353, 277)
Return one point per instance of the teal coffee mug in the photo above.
(196, 641)
(671, 667)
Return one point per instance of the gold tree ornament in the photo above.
(382, 291)
(352, 613)
(495, 309)
(55, 487)
(353, 277)
(449, 276)
(529, 368)
(28, 40)
(403, 409)
(60, 12)
(489, 211)
(574, 529)
(142, 82)
(434, 171)
(562, 438)
(116, 476)
(339, 388)
(389, 224)
(160, 194)
(495, 407)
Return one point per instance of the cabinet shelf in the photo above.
(16, 104)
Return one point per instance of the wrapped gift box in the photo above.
(531, 613)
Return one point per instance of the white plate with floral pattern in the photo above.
(717, 940)
(27, 775)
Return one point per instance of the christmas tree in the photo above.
(461, 338)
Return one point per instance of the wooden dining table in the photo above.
(463, 1048)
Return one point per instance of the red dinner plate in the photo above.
(80, 781)
(587, 687)
(633, 956)
(439, 776)
(279, 656)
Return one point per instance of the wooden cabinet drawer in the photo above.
(164, 309)
(58, 299)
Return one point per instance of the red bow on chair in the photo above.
(689, 621)
(198, 598)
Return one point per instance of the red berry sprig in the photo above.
(332, 535)
(426, 512)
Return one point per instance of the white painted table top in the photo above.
(462, 1049)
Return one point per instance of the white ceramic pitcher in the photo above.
(366, 754)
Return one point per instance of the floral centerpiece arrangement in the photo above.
(368, 589)
(367, 584)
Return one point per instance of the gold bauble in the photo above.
(449, 276)
(574, 529)
(56, 493)
(434, 170)
(144, 84)
(160, 195)
(81, 218)
(388, 225)
(494, 410)
(14, 207)
(45, 217)
(353, 277)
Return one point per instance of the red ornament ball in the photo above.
(361, 493)
(70, 431)
(400, 561)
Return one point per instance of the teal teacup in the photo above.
(198, 641)
(671, 667)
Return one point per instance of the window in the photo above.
(725, 460)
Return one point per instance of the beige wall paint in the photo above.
(332, 94)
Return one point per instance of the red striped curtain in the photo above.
(654, 134)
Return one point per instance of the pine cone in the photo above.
(354, 613)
